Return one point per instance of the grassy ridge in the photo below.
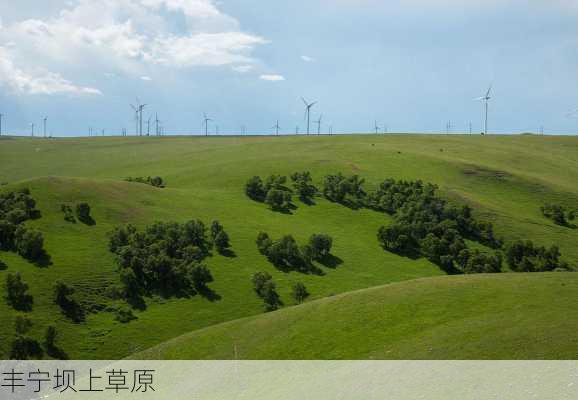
(506, 179)
(505, 316)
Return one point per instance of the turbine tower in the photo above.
(206, 122)
(377, 128)
(157, 124)
(32, 129)
(1, 115)
(308, 111)
(276, 127)
(486, 100)
(318, 122)
(44, 125)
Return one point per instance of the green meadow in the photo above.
(374, 304)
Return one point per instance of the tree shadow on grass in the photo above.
(228, 253)
(56, 353)
(43, 261)
(331, 261)
(87, 221)
(209, 294)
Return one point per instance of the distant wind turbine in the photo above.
(318, 122)
(206, 122)
(276, 127)
(308, 112)
(376, 127)
(44, 125)
(32, 129)
(1, 115)
(486, 100)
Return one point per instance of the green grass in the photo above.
(506, 179)
(505, 316)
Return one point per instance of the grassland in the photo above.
(505, 178)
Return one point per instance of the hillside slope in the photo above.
(505, 179)
(505, 316)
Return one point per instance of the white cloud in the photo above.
(272, 78)
(42, 82)
(146, 78)
(242, 68)
(307, 59)
(128, 36)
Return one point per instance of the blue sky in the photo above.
(412, 65)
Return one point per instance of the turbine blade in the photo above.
(489, 90)
(305, 101)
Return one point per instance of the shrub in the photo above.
(124, 315)
(3, 265)
(263, 242)
(299, 292)
(155, 181)
(7, 233)
(17, 293)
(346, 190)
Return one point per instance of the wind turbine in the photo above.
(308, 111)
(157, 124)
(377, 128)
(149, 126)
(32, 129)
(486, 100)
(276, 127)
(44, 125)
(318, 122)
(1, 115)
(206, 122)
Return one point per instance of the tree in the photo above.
(255, 189)
(29, 243)
(222, 242)
(216, 228)
(299, 292)
(278, 200)
(157, 181)
(17, 293)
(69, 306)
(321, 245)
(264, 243)
(259, 279)
(201, 276)
(24, 347)
(266, 289)
(303, 186)
(83, 213)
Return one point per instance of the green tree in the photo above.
(222, 242)
(255, 189)
(278, 200)
(83, 213)
(299, 292)
(29, 243)
(17, 293)
(321, 245)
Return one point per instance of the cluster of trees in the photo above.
(17, 293)
(82, 213)
(166, 258)
(425, 225)
(266, 289)
(155, 181)
(558, 214)
(346, 190)
(287, 255)
(25, 347)
(16, 208)
(524, 256)
(274, 190)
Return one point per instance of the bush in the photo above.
(299, 292)
(83, 213)
(345, 190)
(3, 265)
(222, 242)
(155, 181)
(17, 293)
(124, 315)
(18, 206)
(273, 192)
(263, 243)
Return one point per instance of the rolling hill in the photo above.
(504, 178)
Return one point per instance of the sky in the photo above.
(410, 65)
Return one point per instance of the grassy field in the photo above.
(505, 178)
(505, 316)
